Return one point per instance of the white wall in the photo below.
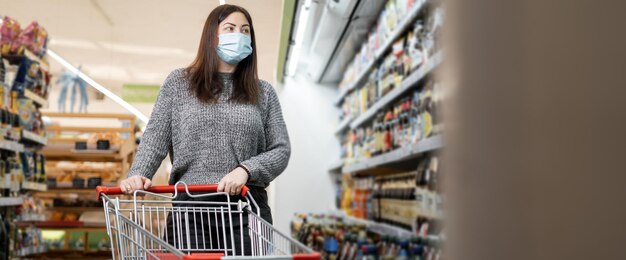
(311, 118)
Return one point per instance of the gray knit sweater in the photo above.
(207, 141)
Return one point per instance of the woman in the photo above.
(219, 123)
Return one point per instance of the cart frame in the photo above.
(153, 225)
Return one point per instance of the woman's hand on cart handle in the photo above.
(134, 183)
(233, 182)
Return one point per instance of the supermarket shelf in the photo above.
(395, 156)
(6, 202)
(31, 217)
(33, 137)
(343, 125)
(71, 189)
(78, 254)
(11, 146)
(75, 209)
(44, 65)
(409, 83)
(35, 98)
(399, 30)
(34, 186)
(66, 155)
(83, 229)
(16, 59)
(381, 228)
(22, 252)
(335, 166)
(50, 224)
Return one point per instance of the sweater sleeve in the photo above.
(157, 138)
(267, 165)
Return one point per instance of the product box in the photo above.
(98, 241)
(54, 239)
(77, 240)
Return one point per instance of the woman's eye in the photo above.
(229, 29)
(246, 31)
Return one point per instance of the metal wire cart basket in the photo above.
(151, 224)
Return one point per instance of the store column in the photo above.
(535, 146)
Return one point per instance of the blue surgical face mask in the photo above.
(234, 47)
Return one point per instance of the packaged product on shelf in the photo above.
(33, 209)
(27, 113)
(415, 50)
(31, 77)
(428, 196)
(338, 238)
(6, 178)
(113, 138)
(77, 240)
(13, 175)
(347, 195)
(41, 168)
(99, 241)
(437, 100)
(408, 121)
(28, 165)
(34, 38)
(29, 240)
(10, 31)
(3, 71)
(4, 99)
(398, 199)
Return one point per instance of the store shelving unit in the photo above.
(16, 59)
(39, 100)
(398, 31)
(61, 148)
(33, 250)
(409, 83)
(21, 148)
(50, 224)
(28, 136)
(12, 201)
(77, 209)
(380, 228)
(404, 159)
(34, 186)
(336, 166)
(396, 156)
(11, 146)
(343, 125)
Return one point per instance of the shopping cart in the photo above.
(150, 224)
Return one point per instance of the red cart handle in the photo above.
(168, 189)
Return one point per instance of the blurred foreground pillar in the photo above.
(535, 146)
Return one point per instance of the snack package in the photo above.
(26, 111)
(26, 37)
(40, 45)
(28, 163)
(28, 75)
(34, 38)
(9, 31)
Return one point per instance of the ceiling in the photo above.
(138, 41)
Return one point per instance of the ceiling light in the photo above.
(222, 2)
(303, 19)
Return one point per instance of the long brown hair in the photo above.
(203, 75)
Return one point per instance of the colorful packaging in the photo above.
(9, 31)
(26, 111)
(33, 38)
